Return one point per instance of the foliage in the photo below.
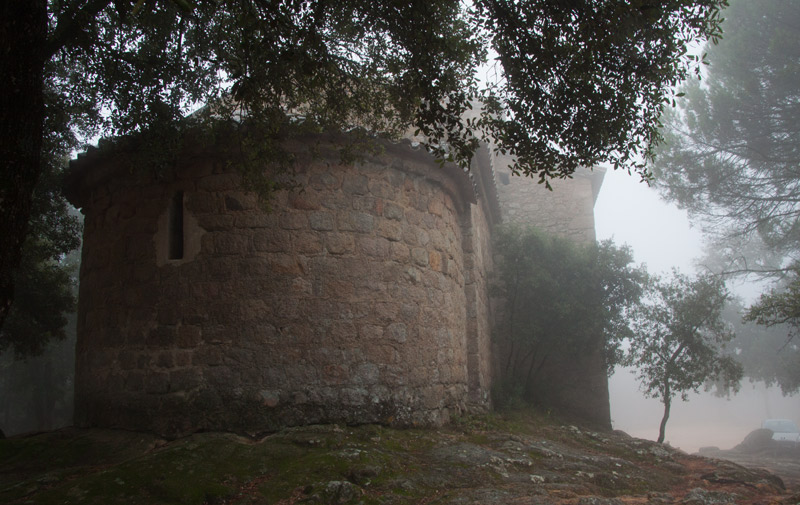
(282, 65)
(678, 336)
(571, 90)
(733, 146)
(37, 341)
(384, 67)
(771, 353)
(46, 279)
(779, 307)
(584, 82)
(561, 299)
(731, 157)
(38, 390)
(581, 82)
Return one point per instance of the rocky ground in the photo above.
(758, 450)
(518, 458)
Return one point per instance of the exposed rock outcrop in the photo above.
(486, 460)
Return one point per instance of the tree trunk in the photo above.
(23, 36)
(667, 404)
(535, 373)
(43, 395)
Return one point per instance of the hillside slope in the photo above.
(518, 458)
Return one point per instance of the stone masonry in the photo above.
(362, 296)
(359, 298)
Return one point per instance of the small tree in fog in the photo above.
(678, 336)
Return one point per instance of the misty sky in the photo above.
(632, 213)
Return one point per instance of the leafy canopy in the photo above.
(731, 158)
(733, 145)
(585, 82)
(778, 353)
(677, 335)
(579, 83)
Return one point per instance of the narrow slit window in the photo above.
(176, 227)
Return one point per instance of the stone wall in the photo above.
(567, 211)
(478, 257)
(360, 298)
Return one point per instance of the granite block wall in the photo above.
(567, 211)
(360, 297)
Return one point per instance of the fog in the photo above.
(629, 212)
(705, 420)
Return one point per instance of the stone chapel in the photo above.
(361, 296)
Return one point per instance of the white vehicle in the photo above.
(783, 430)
